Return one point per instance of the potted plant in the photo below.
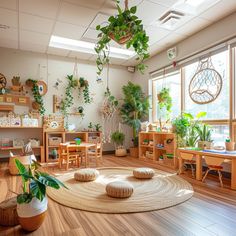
(38, 103)
(32, 203)
(204, 132)
(165, 104)
(97, 127)
(118, 139)
(124, 28)
(90, 127)
(229, 145)
(135, 107)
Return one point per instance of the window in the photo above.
(173, 82)
(219, 111)
(219, 108)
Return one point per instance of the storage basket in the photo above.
(54, 141)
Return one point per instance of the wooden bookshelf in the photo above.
(159, 147)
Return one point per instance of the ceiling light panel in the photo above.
(87, 47)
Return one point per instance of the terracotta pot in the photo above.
(134, 152)
(121, 152)
(29, 83)
(35, 105)
(123, 39)
(229, 146)
(31, 215)
(204, 144)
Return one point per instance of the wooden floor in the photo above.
(211, 211)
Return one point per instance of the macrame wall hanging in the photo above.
(108, 110)
(206, 84)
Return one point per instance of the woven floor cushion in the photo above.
(119, 189)
(143, 173)
(85, 175)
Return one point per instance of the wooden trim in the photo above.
(182, 97)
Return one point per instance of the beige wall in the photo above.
(205, 38)
(25, 64)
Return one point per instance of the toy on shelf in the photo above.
(34, 142)
(53, 123)
(18, 143)
(160, 145)
(27, 121)
(10, 120)
(6, 143)
(145, 142)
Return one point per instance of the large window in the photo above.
(219, 108)
(173, 82)
(218, 111)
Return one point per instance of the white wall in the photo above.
(223, 29)
(25, 64)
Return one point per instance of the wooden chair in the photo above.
(69, 155)
(96, 152)
(189, 159)
(215, 164)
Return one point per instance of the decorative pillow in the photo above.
(143, 173)
(85, 175)
(119, 189)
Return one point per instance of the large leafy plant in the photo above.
(134, 108)
(35, 182)
(124, 28)
(185, 126)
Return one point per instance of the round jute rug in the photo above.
(162, 191)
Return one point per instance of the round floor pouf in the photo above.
(119, 189)
(143, 173)
(85, 175)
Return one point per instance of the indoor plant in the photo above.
(32, 203)
(229, 145)
(165, 104)
(38, 103)
(124, 28)
(118, 139)
(204, 132)
(135, 107)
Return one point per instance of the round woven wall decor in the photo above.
(206, 84)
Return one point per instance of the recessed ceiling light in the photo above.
(193, 6)
(4, 26)
(87, 47)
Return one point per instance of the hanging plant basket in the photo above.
(123, 39)
(127, 29)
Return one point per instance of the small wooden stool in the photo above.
(8, 215)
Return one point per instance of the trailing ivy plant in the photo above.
(124, 28)
(33, 84)
(84, 86)
(68, 101)
(165, 100)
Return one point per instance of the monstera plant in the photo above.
(124, 28)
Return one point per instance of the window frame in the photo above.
(231, 73)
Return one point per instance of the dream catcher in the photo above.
(108, 110)
(206, 84)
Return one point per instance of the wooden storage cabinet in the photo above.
(159, 147)
(66, 136)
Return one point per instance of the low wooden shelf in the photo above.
(156, 152)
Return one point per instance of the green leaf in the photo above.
(24, 198)
(37, 189)
(201, 114)
(133, 9)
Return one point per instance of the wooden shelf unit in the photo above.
(156, 152)
(67, 136)
(14, 131)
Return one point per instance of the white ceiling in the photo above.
(32, 22)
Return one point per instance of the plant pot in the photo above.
(31, 215)
(121, 152)
(204, 144)
(123, 39)
(29, 83)
(229, 146)
(25, 160)
(35, 105)
(134, 152)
